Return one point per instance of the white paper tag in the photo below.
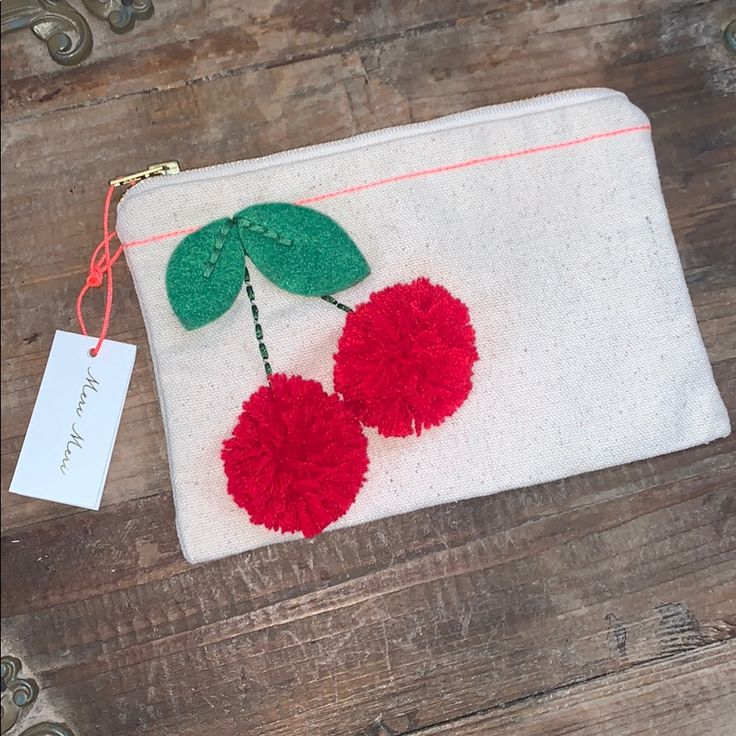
(67, 448)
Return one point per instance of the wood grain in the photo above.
(643, 701)
(601, 604)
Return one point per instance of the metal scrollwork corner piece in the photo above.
(67, 34)
(17, 693)
(47, 729)
(120, 14)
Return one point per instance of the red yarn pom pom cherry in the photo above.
(405, 359)
(297, 457)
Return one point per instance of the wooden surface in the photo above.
(602, 604)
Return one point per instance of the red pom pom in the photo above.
(405, 359)
(297, 457)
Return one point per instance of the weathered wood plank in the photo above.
(189, 46)
(214, 41)
(648, 700)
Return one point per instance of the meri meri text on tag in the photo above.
(68, 446)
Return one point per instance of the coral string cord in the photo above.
(417, 174)
(100, 269)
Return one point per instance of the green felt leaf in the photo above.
(299, 249)
(205, 274)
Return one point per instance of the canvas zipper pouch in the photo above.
(505, 306)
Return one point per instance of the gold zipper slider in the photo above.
(163, 169)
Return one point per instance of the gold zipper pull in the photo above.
(163, 169)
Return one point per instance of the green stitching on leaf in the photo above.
(256, 228)
(297, 248)
(217, 246)
(205, 274)
(321, 258)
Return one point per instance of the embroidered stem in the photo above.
(331, 300)
(257, 324)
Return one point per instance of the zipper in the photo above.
(530, 105)
(165, 168)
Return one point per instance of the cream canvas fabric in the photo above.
(545, 217)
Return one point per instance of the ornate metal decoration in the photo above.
(66, 32)
(17, 693)
(120, 14)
